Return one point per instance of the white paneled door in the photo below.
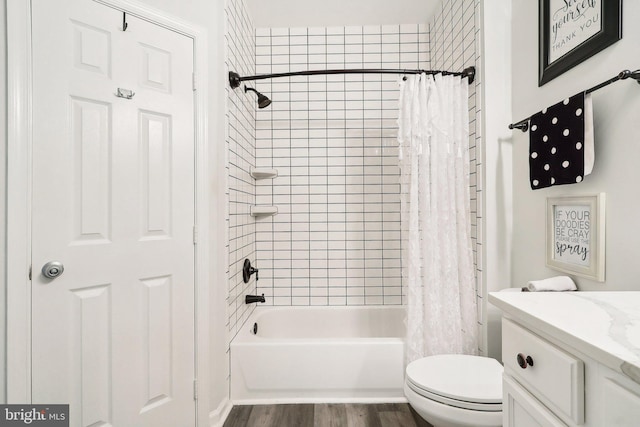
(113, 202)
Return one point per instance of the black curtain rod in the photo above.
(235, 79)
(523, 125)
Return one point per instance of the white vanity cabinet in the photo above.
(556, 375)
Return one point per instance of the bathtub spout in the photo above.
(249, 299)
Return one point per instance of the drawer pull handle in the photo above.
(523, 360)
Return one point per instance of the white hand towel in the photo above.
(558, 283)
(589, 151)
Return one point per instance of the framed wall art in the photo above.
(571, 31)
(576, 235)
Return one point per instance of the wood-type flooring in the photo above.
(325, 415)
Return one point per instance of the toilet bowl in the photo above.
(456, 390)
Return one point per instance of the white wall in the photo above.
(3, 157)
(617, 143)
(496, 107)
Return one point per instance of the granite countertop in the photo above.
(603, 325)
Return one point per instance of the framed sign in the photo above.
(575, 235)
(574, 30)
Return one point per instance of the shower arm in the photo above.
(235, 79)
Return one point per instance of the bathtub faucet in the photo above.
(250, 299)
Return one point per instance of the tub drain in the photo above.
(255, 328)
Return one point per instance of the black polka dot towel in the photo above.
(561, 143)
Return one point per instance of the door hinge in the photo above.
(195, 389)
(195, 235)
(193, 79)
(30, 271)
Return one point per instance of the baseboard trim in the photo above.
(218, 416)
(315, 400)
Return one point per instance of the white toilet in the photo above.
(456, 390)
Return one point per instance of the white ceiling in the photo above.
(327, 13)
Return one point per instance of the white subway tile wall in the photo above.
(240, 140)
(336, 238)
(455, 44)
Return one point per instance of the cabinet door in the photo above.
(621, 402)
(521, 409)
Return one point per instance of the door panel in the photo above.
(156, 68)
(113, 200)
(92, 338)
(155, 139)
(91, 123)
(91, 48)
(157, 343)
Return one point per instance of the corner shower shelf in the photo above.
(258, 211)
(263, 173)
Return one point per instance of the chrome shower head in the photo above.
(263, 101)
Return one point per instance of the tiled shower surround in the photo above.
(336, 238)
(240, 140)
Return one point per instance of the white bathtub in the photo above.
(319, 354)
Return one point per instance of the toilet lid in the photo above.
(459, 377)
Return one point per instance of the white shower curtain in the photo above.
(438, 270)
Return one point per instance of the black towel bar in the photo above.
(523, 125)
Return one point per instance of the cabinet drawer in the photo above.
(553, 376)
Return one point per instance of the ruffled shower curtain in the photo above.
(438, 270)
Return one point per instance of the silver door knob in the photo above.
(52, 269)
